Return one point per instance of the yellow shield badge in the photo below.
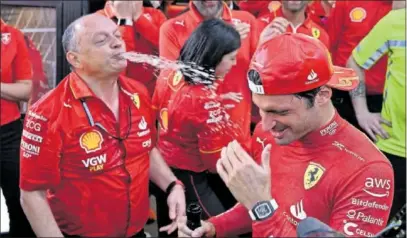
(136, 100)
(316, 33)
(312, 175)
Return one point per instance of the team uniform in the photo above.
(141, 37)
(257, 8)
(388, 37)
(308, 27)
(94, 168)
(15, 65)
(334, 173)
(175, 32)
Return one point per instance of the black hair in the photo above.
(309, 95)
(208, 44)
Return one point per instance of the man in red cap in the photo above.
(319, 165)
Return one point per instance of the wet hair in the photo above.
(309, 95)
(207, 45)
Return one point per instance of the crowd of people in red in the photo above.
(271, 136)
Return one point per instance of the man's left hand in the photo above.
(249, 182)
(176, 205)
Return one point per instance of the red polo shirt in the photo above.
(142, 37)
(176, 31)
(309, 27)
(15, 65)
(97, 185)
(255, 7)
(348, 23)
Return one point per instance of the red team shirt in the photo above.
(193, 124)
(96, 185)
(15, 65)
(348, 23)
(142, 37)
(309, 27)
(335, 175)
(175, 32)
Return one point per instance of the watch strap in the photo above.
(273, 208)
(172, 185)
(124, 22)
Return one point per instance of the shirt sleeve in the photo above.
(40, 152)
(373, 46)
(149, 28)
(233, 222)
(254, 35)
(22, 67)
(261, 23)
(335, 24)
(169, 46)
(361, 205)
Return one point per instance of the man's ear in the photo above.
(73, 59)
(323, 96)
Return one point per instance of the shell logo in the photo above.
(164, 118)
(357, 14)
(91, 141)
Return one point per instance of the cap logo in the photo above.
(255, 84)
(312, 77)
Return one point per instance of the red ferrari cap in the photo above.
(293, 63)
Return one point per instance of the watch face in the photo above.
(263, 210)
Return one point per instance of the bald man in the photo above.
(88, 147)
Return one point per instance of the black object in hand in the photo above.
(194, 212)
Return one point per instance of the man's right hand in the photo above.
(123, 9)
(277, 27)
(207, 229)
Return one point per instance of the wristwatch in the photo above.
(263, 210)
(124, 22)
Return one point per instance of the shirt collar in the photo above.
(324, 135)
(81, 90)
(197, 17)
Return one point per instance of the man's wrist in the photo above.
(124, 21)
(174, 184)
(263, 210)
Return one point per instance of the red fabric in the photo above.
(346, 31)
(353, 195)
(175, 10)
(176, 31)
(143, 38)
(293, 63)
(40, 83)
(15, 65)
(257, 8)
(194, 124)
(309, 27)
(317, 13)
(97, 185)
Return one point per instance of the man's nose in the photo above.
(268, 121)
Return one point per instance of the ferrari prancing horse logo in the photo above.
(312, 175)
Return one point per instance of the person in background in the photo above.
(140, 27)
(176, 31)
(310, 162)
(193, 118)
(39, 80)
(349, 22)
(319, 11)
(258, 8)
(295, 12)
(388, 128)
(90, 146)
(15, 86)
(232, 5)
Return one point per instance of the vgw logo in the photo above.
(95, 163)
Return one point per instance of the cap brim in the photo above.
(344, 79)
